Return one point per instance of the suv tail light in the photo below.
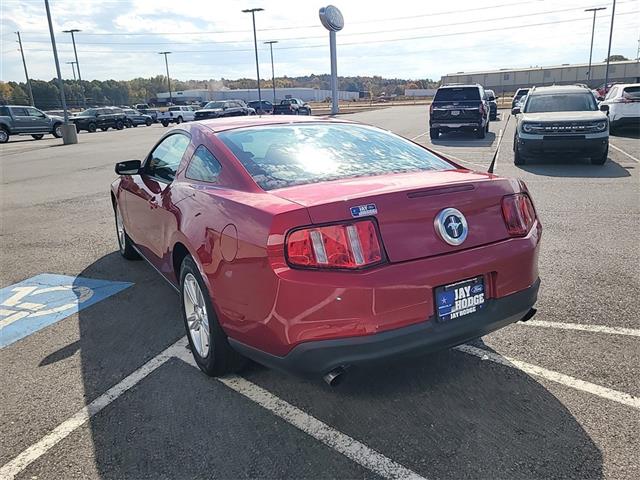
(351, 245)
(431, 108)
(519, 214)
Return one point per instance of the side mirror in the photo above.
(604, 108)
(515, 110)
(129, 167)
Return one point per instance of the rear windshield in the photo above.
(632, 92)
(287, 155)
(457, 94)
(561, 102)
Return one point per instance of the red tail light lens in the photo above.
(431, 109)
(519, 214)
(350, 245)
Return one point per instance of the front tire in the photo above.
(208, 342)
(119, 125)
(92, 127)
(165, 124)
(129, 124)
(104, 129)
(601, 159)
(38, 136)
(148, 122)
(179, 120)
(57, 130)
(434, 133)
(125, 245)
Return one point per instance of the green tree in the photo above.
(616, 58)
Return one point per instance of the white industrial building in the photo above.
(248, 95)
(507, 80)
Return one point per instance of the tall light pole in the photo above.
(606, 72)
(593, 30)
(69, 134)
(253, 11)
(273, 74)
(72, 68)
(331, 18)
(26, 74)
(75, 53)
(166, 63)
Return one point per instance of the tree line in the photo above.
(143, 90)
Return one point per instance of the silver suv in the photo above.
(561, 119)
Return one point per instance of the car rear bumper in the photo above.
(626, 122)
(448, 125)
(536, 145)
(320, 357)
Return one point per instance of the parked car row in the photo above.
(104, 118)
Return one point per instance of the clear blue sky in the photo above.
(213, 39)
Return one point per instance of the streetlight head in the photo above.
(73, 30)
(164, 53)
(271, 42)
(595, 9)
(251, 10)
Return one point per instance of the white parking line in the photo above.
(66, 428)
(632, 332)
(418, 136)
(624, 153)
(561, 378)
(332, 438)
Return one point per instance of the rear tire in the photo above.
(179, 120)
(125, 245)
(434, 133)
(148, 122)
(38, 136)
(119, 125)
(208, 342)
(481, 132)
(4, 135)
(104, 129)
(129, 124)
(165, 124)
(600, 159)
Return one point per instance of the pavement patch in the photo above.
(40, 301)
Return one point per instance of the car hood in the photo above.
(563, 116)
(58, 117)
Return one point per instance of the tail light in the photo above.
(519, 214)
(352, 245)
(431, 109)
(482, 110)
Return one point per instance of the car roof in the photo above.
(461, 85)
(231, 123)
(558, 89)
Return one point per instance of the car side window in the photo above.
(165, 159)
(612, 93)
(203, 166)
(20, 112)
(34, 112)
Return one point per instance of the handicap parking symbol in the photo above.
(39, 301)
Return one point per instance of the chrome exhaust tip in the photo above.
(334, 377)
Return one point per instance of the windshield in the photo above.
(461, 94)
(561, 102)
(214, 105)
(288, 155)
(91, 112)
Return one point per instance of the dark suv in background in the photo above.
(102, 118)
(459, 107)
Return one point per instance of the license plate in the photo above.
(455, 113)
(460, 299)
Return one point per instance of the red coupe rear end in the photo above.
(325, 244)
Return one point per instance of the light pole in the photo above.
(253, 11)
(166, 63)
(72, 68)
(606, 72)
(69, 134)
(75, 53)
(273, 74)
(331, 18)
(593, 30)
(26, 74)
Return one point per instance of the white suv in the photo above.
(623, 101)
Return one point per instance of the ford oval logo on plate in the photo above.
(451, 226)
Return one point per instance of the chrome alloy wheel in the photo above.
(120, 229)
(195, 310)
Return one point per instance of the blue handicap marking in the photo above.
(39, 301)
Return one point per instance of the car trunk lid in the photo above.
(406, 205)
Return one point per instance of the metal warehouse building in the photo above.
(509, 80)
(306, 94)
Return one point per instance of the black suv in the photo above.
(102, 118)
(459, 107)
(224, 108)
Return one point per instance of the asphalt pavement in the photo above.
(556, 397)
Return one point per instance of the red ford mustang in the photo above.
(311, 245)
